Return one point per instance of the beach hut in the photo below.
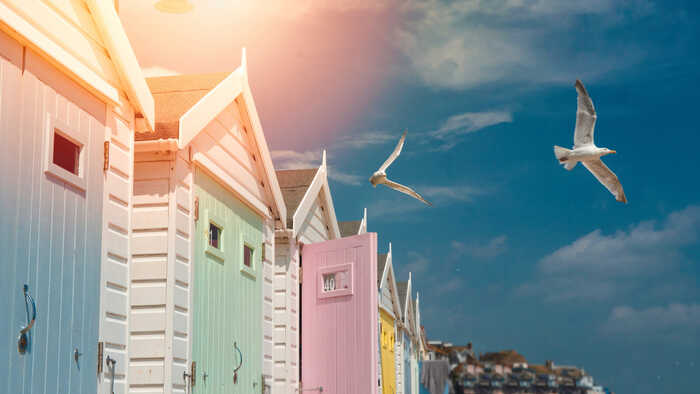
(71, 96)
(409, 342)
(206, 202)
(420, 348)
(310, 219)
(339, 316)
(389, 312)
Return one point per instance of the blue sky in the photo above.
(517, 252)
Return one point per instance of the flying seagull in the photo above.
(379, 177)
(585, 150)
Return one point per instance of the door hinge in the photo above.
(100, 351)
(196, 209)
(301, 274)
(192, 375)
(106, 156)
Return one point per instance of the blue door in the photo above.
(50, 227)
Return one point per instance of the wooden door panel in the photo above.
(227, 298)
(339, 322)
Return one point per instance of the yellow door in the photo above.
(388, 339)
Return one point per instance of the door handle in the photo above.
(23, 341)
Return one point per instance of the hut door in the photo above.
(51, 184)
(339, 315)
(227, 293)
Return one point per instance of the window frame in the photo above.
(335, 269)
(54, 125)
(218, 221)
(247, 240)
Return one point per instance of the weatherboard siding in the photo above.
(147, 317)
(116, 253)
(161, 273)
(285, 355)
(227, 150)
(51, 230)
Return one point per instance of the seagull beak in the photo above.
(612, 151)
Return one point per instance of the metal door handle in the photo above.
(23, 341)
(319, 389)
(112, 361)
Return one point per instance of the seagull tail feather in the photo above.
(562, 155)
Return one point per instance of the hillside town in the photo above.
(508, 372)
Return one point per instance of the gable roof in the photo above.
(349, 228)
(173, 96)
(302, 188)
(294, 184)
(33, 23)
(211, 94)
(402, 288)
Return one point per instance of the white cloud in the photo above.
(448, 194)
(494, 247)
(158, 71)
(363, 140)
(462, 44)
(469, 122)
(440, 196)
(676, 323)
(598, 266)
(290, 159)
(348, 179)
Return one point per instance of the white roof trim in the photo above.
(389, 267)
(124, 59)
(318, 185)
(69, 63)
(232, 87)
(363, 224)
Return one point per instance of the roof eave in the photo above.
(124, 59)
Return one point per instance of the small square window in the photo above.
(66, 153)
(247, 256)
(214, 236)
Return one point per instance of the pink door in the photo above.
(339, 316)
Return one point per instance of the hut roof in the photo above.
(173, 96)
(349, 228)
(402, 288)
(294, 184)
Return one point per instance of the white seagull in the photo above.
(585, 150)
(379, 177)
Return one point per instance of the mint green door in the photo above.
(227, 315)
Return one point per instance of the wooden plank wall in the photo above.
(149, 254)
(70, 24)
(50, 231)
(285, 353)
(116, 254)
(179, 278)
(226, 149)
(160, 318)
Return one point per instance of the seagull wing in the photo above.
(606, 177)
(585, 117)
(394, 154)
(406, 190)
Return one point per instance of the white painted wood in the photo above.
(124, 59)
(74, 53)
